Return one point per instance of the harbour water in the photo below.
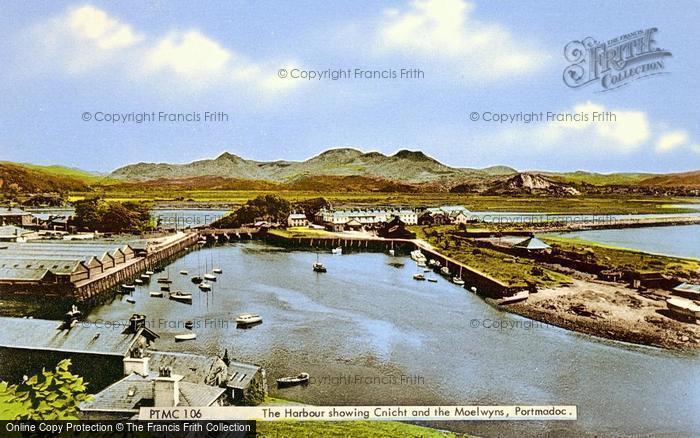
(369, 334)
(680, 241)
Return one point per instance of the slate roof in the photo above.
(14, 211)
(135, 391)
(193, 367)
(47, 335)
(240, 374)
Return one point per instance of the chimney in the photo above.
(166, 389)
(138, 365)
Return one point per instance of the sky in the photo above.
(63, 62)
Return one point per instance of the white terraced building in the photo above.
(366, 216)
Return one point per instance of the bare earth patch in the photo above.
(613, 311)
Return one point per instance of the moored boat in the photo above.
(149, 273)
(445, 271)
(189, 325)
(184, 272)
(392, 252)
(130, 300)
(300, 379)
(164, 280)
(318, 267)
(145, 277)
(165, 288)
(138, 281)
(156, 294)
(432, 279)
(517, 297)
(210, 277)
(458, 281)
(196, 279)
(248, 319)
(128, 287)
(419, 277)
(217, 270)
(204, 287)
(337, 251)
(181, 297)
(185, 337)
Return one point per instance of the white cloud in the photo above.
(87, 39)
(446, 30)
(629, 131)
(672, 140)
(94, 25)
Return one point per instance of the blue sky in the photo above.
(61, 59)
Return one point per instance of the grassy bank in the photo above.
(513, 271)
(626, 259)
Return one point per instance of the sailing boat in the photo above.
(209, 277)
(197, 279)
(318, 266)
(217, 270)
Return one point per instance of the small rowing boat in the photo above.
(131, 300)
(217, 270)
(300, 379)
(183, 272)
(164, 280)
(156, 294)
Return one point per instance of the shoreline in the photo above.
(603, 310)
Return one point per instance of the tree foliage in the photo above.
(268, 207)
(49, 395)
(94, 214)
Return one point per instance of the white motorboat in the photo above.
(419, 277)
(248, 319)
(204, 287)
(432, 279)
(420, 264)
(458, 281)
(445, 271)
(128, 287)
(210, 277)
(156, 294)
(181, 297)
(138, 281)
(185, 337)
(217, 270)
(318, 267)
(145, 277)
(392, 252)
(337, 251)
(149, 273)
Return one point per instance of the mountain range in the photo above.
(344, 169)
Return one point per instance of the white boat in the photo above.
(683, 307)
(138, 281)
(164, 280)
(392, 252)
(128, 287)
(183, 272)
(248, 319)
(210, 277)
(517, 297)
(458, 281)
(432, 279)
(418, 256)
(157, 294)
(217, 270)
(204, 287)
(337, 251)
(419, 277)
(420, 263)
(181, 297)
(149, 273)
(130, 300)
(145, 277)
(185, 337)
(318, 266)
(445, 271)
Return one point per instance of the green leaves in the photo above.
(49, 395)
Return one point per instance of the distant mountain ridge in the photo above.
(405, 166)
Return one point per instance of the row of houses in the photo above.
(364, 218)
(123, 369)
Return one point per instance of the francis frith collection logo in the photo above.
(614, 63)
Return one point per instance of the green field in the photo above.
(368, 429)
(475, 202)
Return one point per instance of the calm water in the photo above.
(681, 241)
(365, 319)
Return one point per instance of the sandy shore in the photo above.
(612, 311)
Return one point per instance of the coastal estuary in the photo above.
(369, 334)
